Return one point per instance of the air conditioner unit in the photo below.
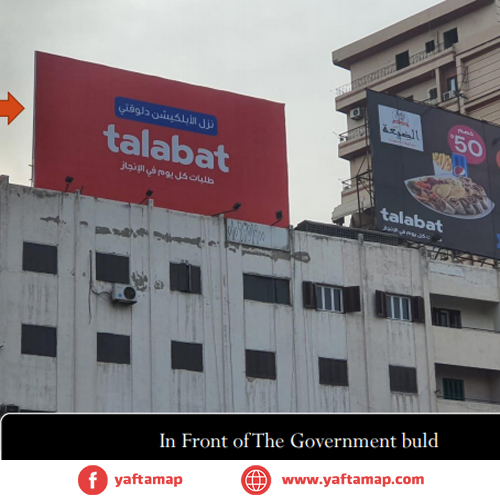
(124, 294)
(356, 114)
(449, 95)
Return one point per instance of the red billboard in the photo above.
(121, 135)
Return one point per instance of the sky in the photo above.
(271, 49)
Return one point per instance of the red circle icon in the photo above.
(256, 480)
(467, 142)
(92, 480)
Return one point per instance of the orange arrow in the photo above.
(10, 108)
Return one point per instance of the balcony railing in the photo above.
(386, 71)
(468, 400)
(353, 134)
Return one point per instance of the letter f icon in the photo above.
(92, 479)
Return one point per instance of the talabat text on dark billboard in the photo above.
(436, 175)
(120, 134)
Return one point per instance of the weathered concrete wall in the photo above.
(220, 318)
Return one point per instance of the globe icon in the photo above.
(256, 480)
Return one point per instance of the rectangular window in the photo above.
(402, 60)
(448, 318)
(39, 340)
(112, 268)
(113, 348)
(331, 298)
(403, 379)
(453, 389)
(452, 84)
(433, 94)
(185, 278)
(430, 46)
(266, 289)
(333, 372)
(260, 364)
(399, 307)
(39, 258)
(187, 356)
(450, 38)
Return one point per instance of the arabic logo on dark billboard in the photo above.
(436, 175)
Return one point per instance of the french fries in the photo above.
(443, 161)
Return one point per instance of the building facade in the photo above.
(446, 56)
(232, 318)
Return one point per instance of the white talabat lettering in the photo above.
(413, 221)
(161, 150)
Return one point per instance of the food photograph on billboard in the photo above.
(125, 136)
(436, 175)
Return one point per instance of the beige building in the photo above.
(447, 56)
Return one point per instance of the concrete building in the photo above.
(231, 316)
(447, 56)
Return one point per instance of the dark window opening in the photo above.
(453, 389)
(39, 258)
(260, 364)
(187, 356)
(113, 348)
(402, 60)
(185, 278)
(403, 379)
(399, 307)
(451, 84)
(39, 340)
(266, 289)
(333, 372)
(450, 38)
(430, 46)
(433, 93)
(448, 318)
(112, 268)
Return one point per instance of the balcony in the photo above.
(368, 79)
(421, 68)
(467, 405)
(353, 142)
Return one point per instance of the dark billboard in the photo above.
(436, 175)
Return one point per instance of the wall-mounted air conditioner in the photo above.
(449, 95)
(124, 294)
(356, 114)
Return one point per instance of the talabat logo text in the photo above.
(92, 480)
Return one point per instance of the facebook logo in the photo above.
(92, 480)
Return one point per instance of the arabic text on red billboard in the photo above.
(120, 134)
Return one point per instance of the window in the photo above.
(399, 307)
(113, 348)
(260, 364)
(402, 60)
(433, 94)
(112, 268)
(39, 258)
(403, 379)
(187, 356)
(450, 38)
(333, 372)
(328, 299)
(266, 289)
(446, 317)
(453, 389)
(452, 84)
(331, 298)
(430, 46)
(39, 340)
(185, 278)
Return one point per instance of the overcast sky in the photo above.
(272, 49)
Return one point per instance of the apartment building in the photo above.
(446, 56)
(111, 306)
